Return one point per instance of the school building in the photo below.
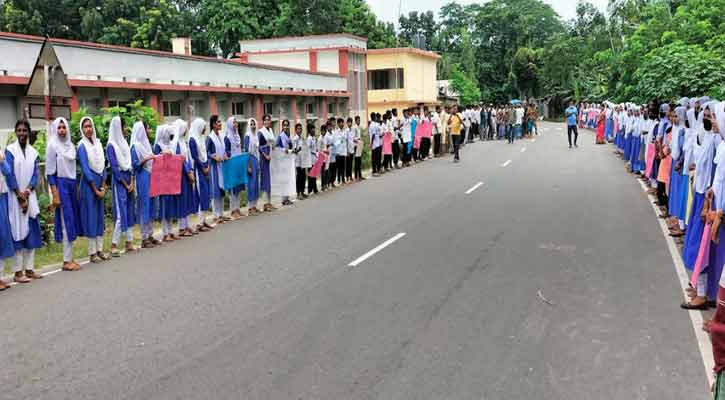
(179, 84)
(401, 78)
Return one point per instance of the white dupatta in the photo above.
(120, 145)
(219, 152)
(94, 150)
(24, 167)
(141, 144)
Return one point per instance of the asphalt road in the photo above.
(551, 280)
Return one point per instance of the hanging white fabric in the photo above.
(24, 167)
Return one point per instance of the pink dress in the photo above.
(387, 143)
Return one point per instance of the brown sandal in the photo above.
(30, 273)
(3, 285)
(21, 278)
(95, 259)
(71, 266)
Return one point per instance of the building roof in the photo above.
(86, 62)
(299, 43)
(411, 50)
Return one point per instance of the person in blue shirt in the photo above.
(571, 113)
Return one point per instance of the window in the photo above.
(238, 108)
(310, 108)
(331, 109)
(392, 78)
(118, 103)
(269, 109)
(172, 108)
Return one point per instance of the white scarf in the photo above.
(163, 138)
(232, 134)
(94, 150)
(269, 135)
(197, 133)
(252, 138)
(63, 149)
(119, 143)
(141, 144)
(182, 138)
(24, 167)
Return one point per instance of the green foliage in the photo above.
(466, 88)
(131, 113)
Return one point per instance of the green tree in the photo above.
(467, 89)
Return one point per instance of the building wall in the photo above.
(298, 60)
(328, 61)
(419, 74)
(303, 42)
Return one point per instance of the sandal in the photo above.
(690, 306)
(3, 286)
(130, 248)
(95, 259)
(21, 278)
(156, 242)
(103, 256)
(186, 233)
(30, 273)
(71, 266)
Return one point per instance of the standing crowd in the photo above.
(81, 176)
(677, 150)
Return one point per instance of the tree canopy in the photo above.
(633, 50)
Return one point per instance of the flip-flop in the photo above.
(690, 306)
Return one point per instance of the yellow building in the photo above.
(401, 78)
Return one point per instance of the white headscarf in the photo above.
(268, 134)
(197, 132)
(141, 144)
(232, 134)
(94, 150)
(182, 138)
(252, 138)
(119, 143)
(62, 147)
(163, 138)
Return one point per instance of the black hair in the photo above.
(357, 117)
(213, 120)
(285, 120)
(298, 125)
(265, 116)
(311, 129)
(340, 121)
(23, 122)
(349, 119)
(372, 116)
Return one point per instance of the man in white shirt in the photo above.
(359, 144)
(518, 121)
(397, 123)
(350, 137)
(376, 143)
(406, 135)
(437, 130)
(340, 141)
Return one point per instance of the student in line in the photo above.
(302, 161)
(168, 205)
(93, 190)
(376, 143)
(322, 147)
(232, 148)
(23, 207)
(359, 145)
(251, 146)
(188, 199)
(197, 148)
(60, 168)
(330, 148)
(266, 141)
(123, 187)
(387, 127)
(350, 133)
(216, 156)
(340, 138)
(396, 136)
(284, 144)
(455, 124)
(312, 150)
(7, 247)
(142, 160)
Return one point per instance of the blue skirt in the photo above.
(673, 197)
(634, 154)
(7, 249)
(202, 185)
(682, 192)
(92, 212)
(146, 205)
(253, 180)
(694, 232)
(34, 240)
(124, 206)
(627, 147)
(168, 207)
(608, 127)
(67, 190)
(188, 200)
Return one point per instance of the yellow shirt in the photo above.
(455, 124)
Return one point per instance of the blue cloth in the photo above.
(189, 198)
(694, 232)
(236, 189)
(634, 163)
(124, 203)
(253, 175)
(265, 175)
(571, 114)
(202, 181)
(71, 215)
(673, 197)
(234, 171)
(92, 208)
(146, 205)
(628, 147)
(7, 248)
(715, 267)
(608, 128)
(168, 205)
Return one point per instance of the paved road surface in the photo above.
(268, 308)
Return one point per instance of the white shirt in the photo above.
(357, 137)
(406, 131)
(519, 115)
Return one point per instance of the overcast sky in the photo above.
(387, 10)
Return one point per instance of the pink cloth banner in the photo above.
(703, 255)
(426, 129)
(317, 168)
(166, 175)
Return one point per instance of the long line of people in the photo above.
(80, 175)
